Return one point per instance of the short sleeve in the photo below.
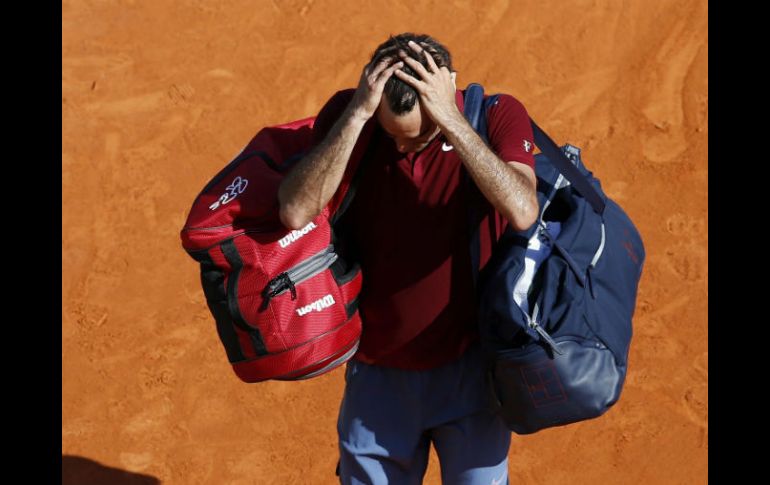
(510, 131)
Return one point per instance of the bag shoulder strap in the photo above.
(559, 160)
(475, 108)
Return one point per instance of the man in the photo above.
(418, 375)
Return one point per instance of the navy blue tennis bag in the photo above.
(557, 333)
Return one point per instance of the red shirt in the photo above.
(408, 224)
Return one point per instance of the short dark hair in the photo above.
(401, 96)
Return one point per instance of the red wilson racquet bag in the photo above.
(285, 303)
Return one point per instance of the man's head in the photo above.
(399, 113)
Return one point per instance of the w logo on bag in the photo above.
(294, 235)
(317, 305)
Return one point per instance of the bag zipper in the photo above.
(598, 251)
(303, 271)
(532, 322)
(229, 238)
(313, 265)
(593, 264)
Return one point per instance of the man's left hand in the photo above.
(436, 86)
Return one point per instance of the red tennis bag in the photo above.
(285, 303)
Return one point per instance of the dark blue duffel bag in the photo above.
(559, 355)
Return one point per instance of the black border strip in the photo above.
(351, 308)
(236, 264)
(212, 280)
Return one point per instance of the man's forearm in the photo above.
(510, 191)
(313, 181)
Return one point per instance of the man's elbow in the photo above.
(292, 218)
(290, 213)
(525, 217)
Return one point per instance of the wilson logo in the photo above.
(294, 235)
(317, 305)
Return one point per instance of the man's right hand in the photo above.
(369, 92)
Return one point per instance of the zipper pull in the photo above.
(532, 321)
(542, 229)
(291, 286)
(547, 338)
(281, 283)
(275, 287)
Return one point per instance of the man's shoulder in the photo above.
(330, 112)
(507, 107)
(345, 93)
(342, 97)
(505, 99)
(334, 106)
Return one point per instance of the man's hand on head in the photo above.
(436, 86)
(369, 92)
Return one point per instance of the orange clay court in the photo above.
(158, 96)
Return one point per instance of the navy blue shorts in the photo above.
(389, 417)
